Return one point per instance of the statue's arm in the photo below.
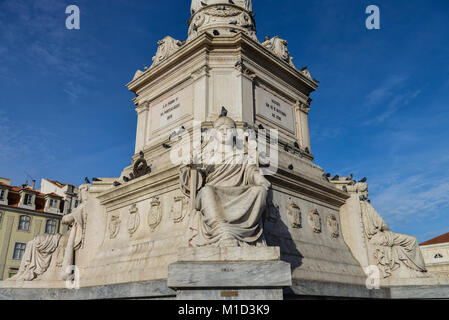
(258, 179)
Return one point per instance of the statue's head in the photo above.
(225, 129)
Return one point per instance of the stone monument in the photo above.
(222, 199)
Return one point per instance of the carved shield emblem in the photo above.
(114, 226)
(154, 216)
(133, 219)
(294, 215)
(179, 209)
(315, 221)
(333, 226)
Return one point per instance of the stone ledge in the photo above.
(420, 292)
(311, 288)
(253, 274)
(211, 254)
(139, 290)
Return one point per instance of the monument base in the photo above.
(229, 274)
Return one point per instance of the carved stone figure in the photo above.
(315, 221)
(42, 250)
(230, 203)
(198, 4)
(333, 226)
(279, 47)
(294, 214)
(390, 249)
(222, 18)
(114, 226)
(133, 219)
(154, 216)
(167, 47)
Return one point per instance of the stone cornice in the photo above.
(205, 43)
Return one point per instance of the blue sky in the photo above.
(380, 112)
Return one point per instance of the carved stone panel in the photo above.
(294, 215)
(114, 226)
(154, 215)
(179, 209)
(333, 226)
(315, 221)
(133, 219)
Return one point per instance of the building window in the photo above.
(2, 195)
(28, 200)
(19, 250)
(53, 203)
(24, 223)
(50, 228)
(438, 256)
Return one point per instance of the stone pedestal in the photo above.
(229, 274)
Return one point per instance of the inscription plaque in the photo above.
(275, 110)
(171, 109)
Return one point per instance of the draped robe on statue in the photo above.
(229, 207)
(40, 252)
(392, 248)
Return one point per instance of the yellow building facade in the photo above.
(24, 214)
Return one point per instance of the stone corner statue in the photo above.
(231, 193)
(48, 257)
(391, 251)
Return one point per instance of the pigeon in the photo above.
(317, 81)
(126, 179)
(364, 180)
(116, 184)
(345, 189)
(307, 150)
(224, 112)
(86, 180)
(350, 177)
(96, 180)
(267, 38)
(231, 2)
(239, 63)
(337, 177)
(304, 68)
(325, 177)
(166, 146)
(290, 167)
(216, 33)
(286, 147)
(142, 155)
(195, 28)
(232, 30)
(235, 22)
(261, 127)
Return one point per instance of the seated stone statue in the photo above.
(230, 203)
(391, 250)
(56, 250)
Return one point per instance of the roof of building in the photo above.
(14, 197)
(56, 183)
(438, 240)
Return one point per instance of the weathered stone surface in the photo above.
(229, 254)
(231, 294)
(137, 290)
(254, 274)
